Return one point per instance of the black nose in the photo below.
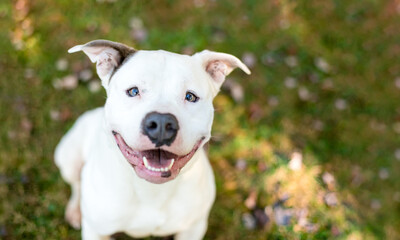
(160, 128)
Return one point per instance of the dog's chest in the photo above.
(115, 199)
(140, 215)
(170, 218)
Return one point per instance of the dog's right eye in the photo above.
(191, 97)
(132, 92)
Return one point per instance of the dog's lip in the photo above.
(161, 165)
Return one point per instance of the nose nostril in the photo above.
(168, 126)
(152, 125)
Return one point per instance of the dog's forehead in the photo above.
(158, 61)
(150, 68)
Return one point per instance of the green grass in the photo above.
(358, 39)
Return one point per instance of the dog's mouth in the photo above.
(155, 165)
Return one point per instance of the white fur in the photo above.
(107, 194)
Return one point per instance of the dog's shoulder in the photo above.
(89, 126)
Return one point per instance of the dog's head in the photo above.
(159, 104)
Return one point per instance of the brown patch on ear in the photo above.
(217, 69)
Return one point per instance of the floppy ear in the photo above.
(106, 54)
(219, 65)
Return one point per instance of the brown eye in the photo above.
(132, 92)
(191, 97)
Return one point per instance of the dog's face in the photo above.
(159, 104)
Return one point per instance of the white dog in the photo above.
(137, 165)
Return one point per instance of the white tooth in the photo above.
(171, 164)
(164, 169)
(146, 164)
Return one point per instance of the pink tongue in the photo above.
(159, 158)
(156, 157)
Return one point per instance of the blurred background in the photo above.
(307, 147)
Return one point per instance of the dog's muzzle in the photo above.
(155, 165)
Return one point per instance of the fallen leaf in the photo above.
(282, 216)
(139, 35)
(357, 177)
(262, 166)
(12, 135)
(397, 82)
(290, 82)
(55, 115)
(251, 200)
(396, 127)
(138, 31)
(235, 89)
(249, 221)
(376, 204)
(94, 86)
(322, 65)
(397, 154)
(340, 104)
(330, 199)
(135, 23)
(188, 50)
(383, 173)
(267, 59)
(329, 180)
(29, 73)
(273, 101)
(291, 61)
(296, 161)
(66, 114)
(26, 125)
(327, 84)
(241, 164)
(396, 197)
(304, 94)
(335, 231)
(302, 215)
(249, 59)
(199, 3)
(69, 82)
(318, 125)
(62, 64)
(256, 111)
(85, 75)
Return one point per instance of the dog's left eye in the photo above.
(191, 97)
(132, 92)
